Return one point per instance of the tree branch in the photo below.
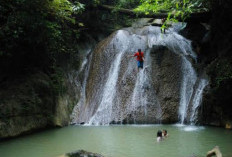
(194, 17)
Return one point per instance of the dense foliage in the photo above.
(129, 4)
(97, 19)
(154, 6)
(35, 35)
(32, 32)
(176, 9)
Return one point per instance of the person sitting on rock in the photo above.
(159, 136)
(140, 58)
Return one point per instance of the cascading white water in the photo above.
(143, 93)
(174, 42)
(138, 97)
(85, 68)
(103, 114)
(187, 88)
(178, 44)
(104, 111)
(197, 99)
(121, 94)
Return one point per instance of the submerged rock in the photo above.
(81, 153)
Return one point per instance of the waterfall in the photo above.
(143, 93)
(197, 99)
(178, 44)
(187, 88)
(104, 111)
(139, 97)
(113, 91)
(84, 68)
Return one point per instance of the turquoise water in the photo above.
(121, 141)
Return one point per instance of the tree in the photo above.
(175, 8)
(34, 32)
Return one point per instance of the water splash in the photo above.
(193, 128)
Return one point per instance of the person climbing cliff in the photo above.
(140, 58)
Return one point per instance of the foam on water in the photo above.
(192, 128)
(179, 125)
(188, 127)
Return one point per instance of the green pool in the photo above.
(121, 141)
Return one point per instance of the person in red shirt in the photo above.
(140, 58)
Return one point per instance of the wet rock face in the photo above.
(167, 80)
(117, 93)
(163, 89)
(29, 104)
(23, 108)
